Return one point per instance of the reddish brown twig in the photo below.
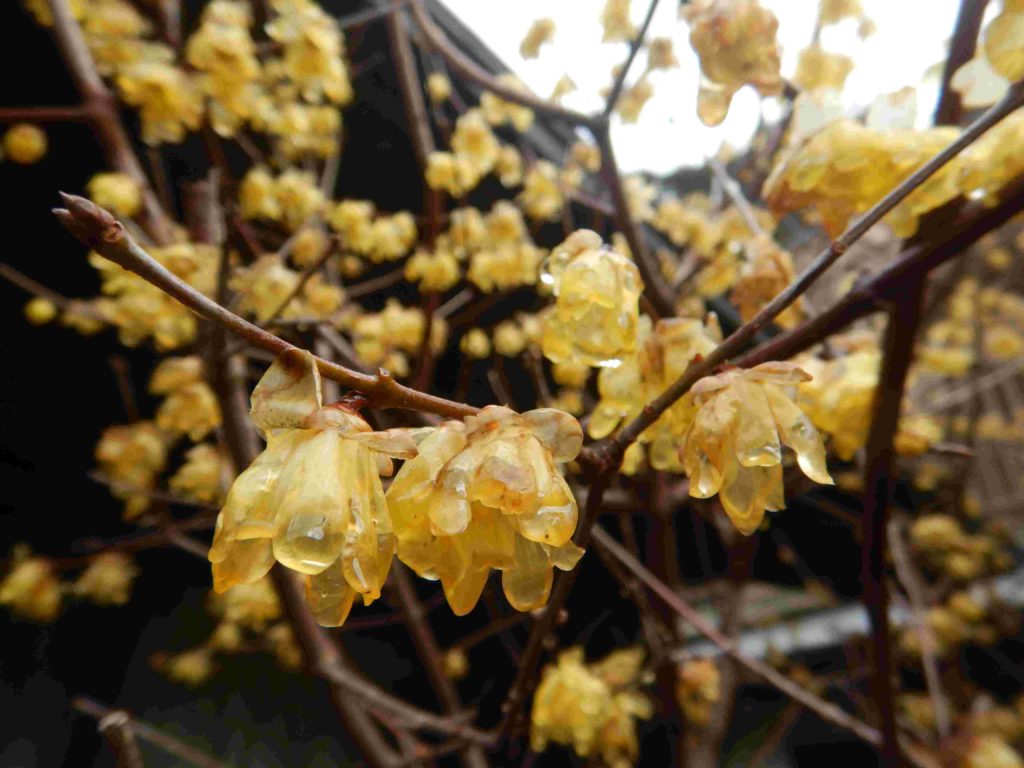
(898, 351)
(169, 744)
(826, 710)
(962, 45)
(42, 114)
(634, 48)
(99, 230)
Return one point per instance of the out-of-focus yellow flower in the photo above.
(1002, 42)
(114, 31)
(201, 476)
(509, 339)
(499, 112)
(541, 31)
(393, 236)
(40, 9)
(698, 689)
(313, 499)
(845, 168)
(740, 420)
(661, 54)
(107, 580)
(818, 68)
(592, 708)
(633, 99)
(454, 174)
(31, 588)
(353, 221)
(767, 270)
(39, 311)
(314, 50)
(541, 197)
(434, 272)
(251, 606)
(292, 198)
(191, 668)
(834, 11)
(169, 101)
(456, 665)
(594, 319)
(735, 41)
(24, 143)
(132, 456)
(509, 166)
(439, 87)
(486, 493)
(505, 266)
(475, 344)
(116, 191)
(189, 406)
(377, 336)
(618, 28)
(564, 86)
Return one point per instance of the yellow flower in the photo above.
(475, 344)
(313, 499)
(541, 31)
(191, 668)
(485, 493)
(1002, 42)
(201, 476)
(834, 11)
(40, 311)
(498, 111)
(439, 88)
(616, 22)
(434, 272)
(817, 68)
(698, 689)
(739, 421)
(661, 54)
(766, 272)
(509, 166)
(735, 41)
(455, 175)
(169, 102)
(31, 588)
(594, 319)
(633, 99)
(592, 708)
(116, 191)
(474, 143)
(353, 221)
(24, 143)
(251, 606)
(845, 168)
(541, 197)
(114, 31)
(108, 579)
(314, 51)
(504, 266)
(509, 339)
(190, 406)
(393, 237)
(132, 455)
(991, 752)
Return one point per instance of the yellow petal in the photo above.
(462, 595)
(757, 442)
(557, 431)
(243, 563)
(528, 583)
(799, 433)
(288, 393)
(312, 502)
(329, 596)
(398, 443)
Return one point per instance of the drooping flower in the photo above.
(313, 499)
(486, 494)
(594, 319)
(739, 420)
(107, 580)
(540, 32)
(116, 191)
(190, 406)
(132, 456)
(31, 587)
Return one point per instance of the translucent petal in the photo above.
(799, 433)
(312, 499)
(528, 583)
(555, 522)
(243, 563)
(739, 497)
(757, 441)
(329, 596)
(288, 393)
(565, 557)
(559, 432)
(449, 510)
(246, 510)
(463, 594)
(398, 443)
(493, 538)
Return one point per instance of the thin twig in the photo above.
(634, 48)
(898, 349)
(42, 114)
(119, 732)
(962, 45)
(99, 230)
(169, 744)
(826, 710)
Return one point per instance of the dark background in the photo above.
(57, 393)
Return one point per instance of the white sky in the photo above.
(910, 38)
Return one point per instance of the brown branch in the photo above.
(610, 450)
(655, 286)
(99, 230)
(117, 729)
(143, 730)
(824, 709)
(100, 107)
(526, 678)
(911, 581)
(466, 67)
(735, 193)
(42, 114)
(898, 351)
(634, 49)
(949, 108)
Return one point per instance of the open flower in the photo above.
(313, 499)
(740, 419)
(486, 493)
(594, 320)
